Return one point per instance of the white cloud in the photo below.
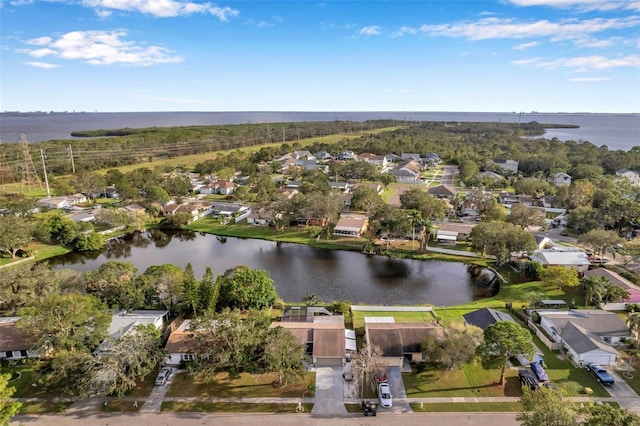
(526, 45)
(160, 8)
(40, 41)
(581, 5)
(370, 30)
(403, 31)
(102, 48)
(41, 65)
(589, 79)
(497, 28)
(583, 63)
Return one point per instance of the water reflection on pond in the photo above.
(297, 269)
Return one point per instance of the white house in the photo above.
(123, 322)
(633, 177)
(587, 335)
(378, 160)
(510, 166)
(559, 179)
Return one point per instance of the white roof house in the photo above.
(124, 322)
(577, 260)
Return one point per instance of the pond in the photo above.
(297, 269)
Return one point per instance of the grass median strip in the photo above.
(453, 407)
(238, 407)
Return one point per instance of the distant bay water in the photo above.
(616, 131)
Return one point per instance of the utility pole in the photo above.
(70, 153)
(284, 139)
(44, 169)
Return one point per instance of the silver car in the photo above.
(163, 376)
(384, 394)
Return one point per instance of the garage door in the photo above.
(602, 359)
(328, 361)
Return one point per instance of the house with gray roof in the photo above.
(398, 341)
(587, 335)
(577, 260)
(485, 317)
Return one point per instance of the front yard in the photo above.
(470, 381)
(247, 386)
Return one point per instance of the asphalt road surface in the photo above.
(235, 419)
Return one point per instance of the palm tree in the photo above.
(416, 218)
(633, 322)
(595, 288)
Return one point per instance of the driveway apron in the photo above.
(329, 391)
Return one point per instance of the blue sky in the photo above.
(447, 55)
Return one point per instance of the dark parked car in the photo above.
(527, 379)
(539, 372)
(600, 374)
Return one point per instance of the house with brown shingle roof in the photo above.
(13, 341)
(323, 338)
(398, 340)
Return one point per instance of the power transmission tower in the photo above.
(28, 170)
(6, 175)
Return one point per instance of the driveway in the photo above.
(400, 404)
(329, 391)
(623, 393)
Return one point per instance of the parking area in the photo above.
(400, 404)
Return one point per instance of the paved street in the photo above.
(236, 419)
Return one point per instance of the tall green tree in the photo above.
(191, 290)
(559, 276)
(114, 282)
(129, 358)
(229, 341)
(163, 284)
(15, 234)
(24, 285)
(8, 407)
(601, 241)
(418, 199)
(452, 346)
(65, 322)
(500, 239)
(209, 290)
(502, 341)
(545, 407)
(284, 356)
(245, 288)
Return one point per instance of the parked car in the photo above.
(527, 379)
(163, 376)
(384, 394)
(347, 374)
(600, 374)
(538, 371)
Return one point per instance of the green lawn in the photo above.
(24, 384)
(183, 385)
(465, 407)
(234, 407)
(40, 407)
(470, 381)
